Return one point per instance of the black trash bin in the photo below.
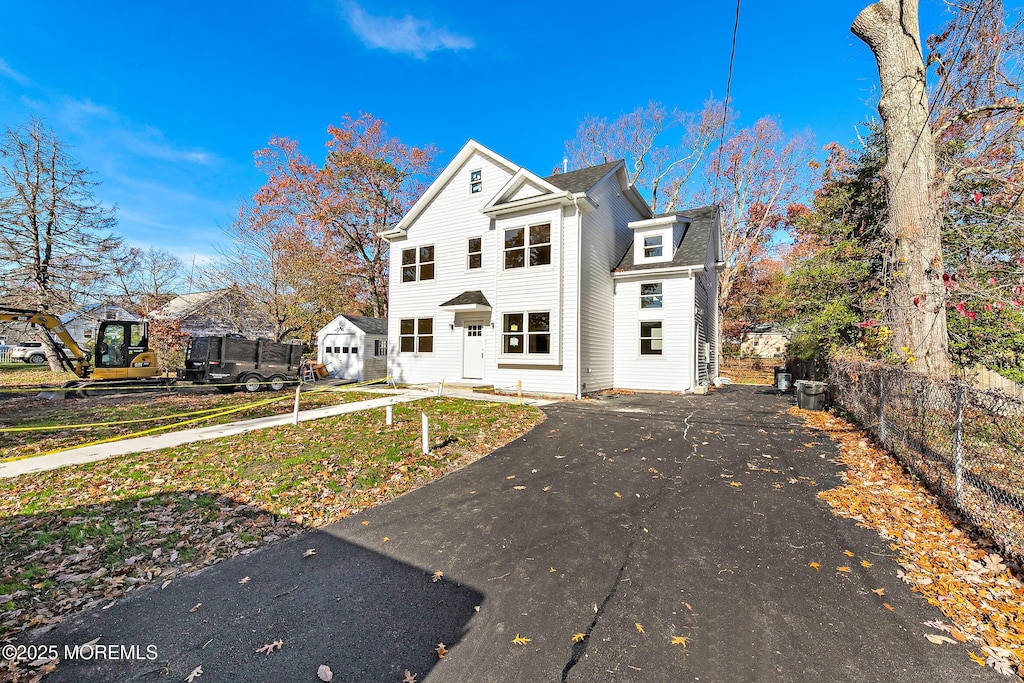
(811, 395)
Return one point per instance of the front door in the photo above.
(473, 351)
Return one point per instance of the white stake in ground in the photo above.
(295, 412)
(426, 434)
(389, 415)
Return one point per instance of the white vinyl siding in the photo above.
(606, 237)
(669, 371)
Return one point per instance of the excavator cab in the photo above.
(122, 351)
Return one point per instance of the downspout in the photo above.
(579, 285)
(694, 369)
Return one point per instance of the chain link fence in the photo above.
(965, 444)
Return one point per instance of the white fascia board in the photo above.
(660, 222)
(515, 182)
(648, 272)
(469, 149)
(563, 199)
(632, 194)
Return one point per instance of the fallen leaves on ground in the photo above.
(437, 576)
(814, 565)
(270, 647)
(441, 650)
(309, 552)
(196, 673)
(577, 637)
(679, 640)
(639, 627)
(409, 677)
(520, 640)
(960, 575)
(83, 536)
(324, 673)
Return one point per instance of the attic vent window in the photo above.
(476, 184)
(652, 246)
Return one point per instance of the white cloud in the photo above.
(9, 72)
(118, 133)
(407, 35)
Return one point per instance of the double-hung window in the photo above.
(652, 246)
(650, 295)
(418, 263)
(476, 253)
(380, 348)
(526, 333)
(476, 184)
(528, 246)
(416, 335)
(650, 338)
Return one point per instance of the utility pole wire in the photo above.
(725, 115)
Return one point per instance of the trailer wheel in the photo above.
(252, 383)
(277, 383)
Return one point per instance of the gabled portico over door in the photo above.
(472, 312)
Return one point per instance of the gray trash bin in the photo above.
(811, 395)
(783, 381)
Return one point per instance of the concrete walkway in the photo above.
(78, 456)
(142, 444)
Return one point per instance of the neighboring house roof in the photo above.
(376, 326)
(767, 328)
(691, 249)
(583, 179)
(185, 305)
(124, 314)
(475, 297)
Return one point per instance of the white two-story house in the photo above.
(566, 284)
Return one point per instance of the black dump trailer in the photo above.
(234, 362)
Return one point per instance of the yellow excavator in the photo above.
(122, 358)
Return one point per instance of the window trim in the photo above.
(416, 336)
(470, 254)
(658, 297)
(526, 336)
(528, 244)
(476, 181)
(417, 264)
(660, 353)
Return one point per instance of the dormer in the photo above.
(655, 239)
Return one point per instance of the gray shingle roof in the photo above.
(472, 297)
(583, 179)
(377, 326)
(690, 251)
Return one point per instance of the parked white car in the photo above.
(29, 352)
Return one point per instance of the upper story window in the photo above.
(476, 182)
(650, 295)
(653, 246)
(418, 264)
(476, 253)
(528, 246)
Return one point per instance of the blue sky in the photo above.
(166, 102)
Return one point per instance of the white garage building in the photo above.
(354, 347)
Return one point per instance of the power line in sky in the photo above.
(728, 89)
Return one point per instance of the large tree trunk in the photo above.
(916, 298)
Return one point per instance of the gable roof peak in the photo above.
(582, 179)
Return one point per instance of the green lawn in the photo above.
(85, 535)
(129, 414)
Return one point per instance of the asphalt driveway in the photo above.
(633, 520)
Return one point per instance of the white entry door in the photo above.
(473, 351)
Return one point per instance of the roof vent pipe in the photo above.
(565, 164)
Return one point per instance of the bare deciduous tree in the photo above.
(56, 247)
